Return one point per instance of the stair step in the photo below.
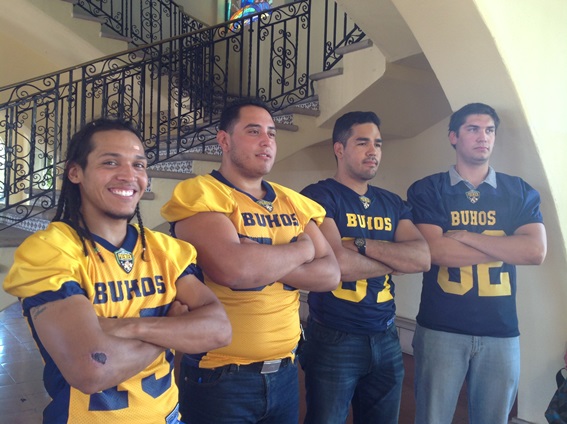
(205, 157)
(34, 212)
(205, 152)
(107, 32)
(287, 127)
(80, 13)
(298, 110)
(9, 222)
(364, 44)
(12, 237)
(169, 175)
(326, 74)
(309, 107)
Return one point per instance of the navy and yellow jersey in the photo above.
(479, 300)
(51, 265)
(364, 306)
(265, 320)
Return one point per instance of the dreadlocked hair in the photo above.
(69, 203)
(142, 233)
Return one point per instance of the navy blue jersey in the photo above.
(363, 306)
(479, 300)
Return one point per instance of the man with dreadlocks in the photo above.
(106, 300)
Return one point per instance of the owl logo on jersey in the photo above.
(266, 204)
(125, 259)
(473, 196)
(365, 201)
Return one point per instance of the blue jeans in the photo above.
(443, 361)
(238, 395)
(341, 368)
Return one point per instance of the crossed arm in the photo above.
(408, 253)
(308, 263)
(94, 353)
(527, 246)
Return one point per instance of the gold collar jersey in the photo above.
(51, 265)
(265, 320)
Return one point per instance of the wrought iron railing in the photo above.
(173, 90)
(141, 21)
(339, 31)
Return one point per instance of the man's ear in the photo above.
(223, 138)
(453, 138)
(74, 173)
(339, 149)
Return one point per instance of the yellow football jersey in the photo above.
(51, 265)
(265, 320)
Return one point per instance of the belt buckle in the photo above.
(270, 367)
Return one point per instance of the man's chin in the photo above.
(120, 216)
(369, 175)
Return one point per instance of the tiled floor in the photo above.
(22, 396)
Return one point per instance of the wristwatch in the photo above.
(360, 243)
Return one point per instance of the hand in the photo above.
(456, 235)
(112, 326)
(246, 240)
(177, 308)
(305, 242)
(349, 244)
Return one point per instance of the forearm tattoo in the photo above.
(37, 311)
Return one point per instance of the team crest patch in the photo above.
(365, 201)
(473, 196)
(125, 259)
(266, 204)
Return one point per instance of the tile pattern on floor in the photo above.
(22, 395)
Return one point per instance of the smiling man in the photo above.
(352, 353)
(258, 243)
(479, 225)
(106, 301)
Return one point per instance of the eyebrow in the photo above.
(376, 140)
(259, 126)
(479, 126)
(118, 155)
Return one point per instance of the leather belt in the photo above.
(265, 367)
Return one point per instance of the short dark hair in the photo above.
(231, 112)
(78, 150)
(459, 117)
(343, 126)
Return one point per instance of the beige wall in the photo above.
(537, 63)
(49, 34)
(209, 12)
